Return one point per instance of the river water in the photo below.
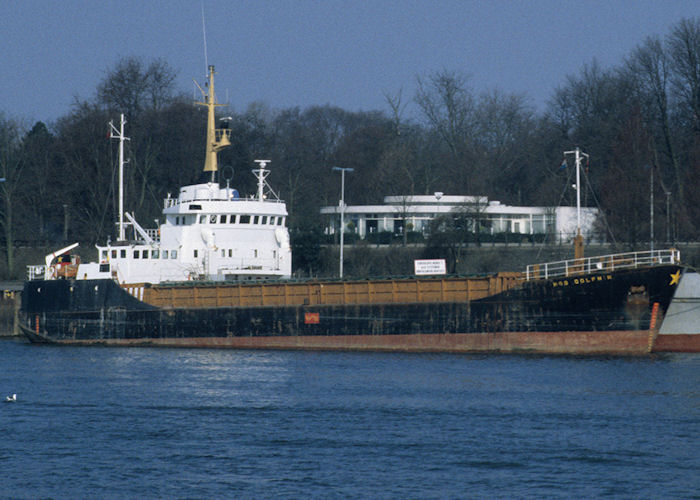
(151, 423)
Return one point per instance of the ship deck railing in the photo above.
(173, 202)
(629, 260)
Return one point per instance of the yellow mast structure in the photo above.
(217, 138)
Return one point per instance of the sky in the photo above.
(289, 53)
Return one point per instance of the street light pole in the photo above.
(342, 210)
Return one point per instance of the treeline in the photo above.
(637, 119)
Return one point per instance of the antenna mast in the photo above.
(578, 239)
(204, 33)
(119, 134)
(261, 174)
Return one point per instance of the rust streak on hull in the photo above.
(626, 342)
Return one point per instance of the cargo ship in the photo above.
(217, 274)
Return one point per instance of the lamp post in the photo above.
(342, 210)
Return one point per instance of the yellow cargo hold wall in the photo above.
(389, 291)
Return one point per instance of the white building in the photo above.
(414, 213)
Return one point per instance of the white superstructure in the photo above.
(209, 232)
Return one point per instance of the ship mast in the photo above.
(217, 138)
(261, 174)
(119, 134)
(578, 239)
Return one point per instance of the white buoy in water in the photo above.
(11, 399)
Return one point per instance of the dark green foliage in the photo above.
(306, 251)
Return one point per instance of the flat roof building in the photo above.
(414, 214)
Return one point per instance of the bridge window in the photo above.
(136, 254)
(195, 254)
(212, 219)
(155, 254)
(264, 220)
(280, 221)
(255, 219)
(173, 254)
(202, 219)
(245, 219)
(122, 254)
(114, 254)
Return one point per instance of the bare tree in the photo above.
(505, 126)
(449, 109)
(649, 65)
(684, 49)
(132, 86)
(84, 153)
(11, 166)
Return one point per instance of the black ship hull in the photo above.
(606, 312)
